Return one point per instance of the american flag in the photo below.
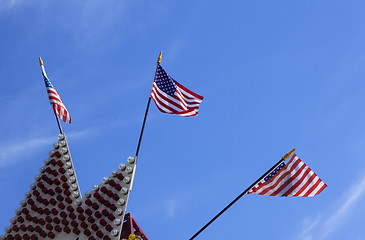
(295, 179)
(172, 97)
(55, 100)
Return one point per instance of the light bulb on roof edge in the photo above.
(64, 150)
(75, 194)
(18, 211)
(46, 161)
(56, 145)
(115, 232)
(96, 187)
(70, 172)
(63, 143)
(124, 190)
(72, 179)
(129, 170)
(23, 203)
(27, 194)
(122, 166)
(119, 211)
(78, 202)
(105, 180)
(114, 173)
(131, 160)
(121, 202)
(87, 194)
(32, 186)
(66, 158)
(8, 229)
(51, 153)
(117, 221)
(12, 220)
(68, 165)
(60, 136)
(127, 180)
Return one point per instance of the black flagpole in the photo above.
(243, 193)
(144, 122)
(58, 121)
(147, 108)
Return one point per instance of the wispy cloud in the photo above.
(11, 152)
(7, 4)
(89, 28)
(339, 216)
(171, 207)
(322, 226)
(176, 47)
(308, 225)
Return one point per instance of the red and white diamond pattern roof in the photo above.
(54, 209)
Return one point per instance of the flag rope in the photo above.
(243, 193)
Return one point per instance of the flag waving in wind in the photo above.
(54, 99)
(295, 179)
(172, 97)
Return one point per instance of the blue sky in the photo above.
(274, 75)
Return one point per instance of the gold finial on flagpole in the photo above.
(289, 154)
(159, 58)
(40, 61)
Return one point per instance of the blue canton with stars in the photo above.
(47, 82)
(165, 82)
(275, 171)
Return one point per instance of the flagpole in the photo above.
(147, 108)
(243, 193)
(58, 120)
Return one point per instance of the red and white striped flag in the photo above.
(172, 97)
(54, 99)
(295, 179)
